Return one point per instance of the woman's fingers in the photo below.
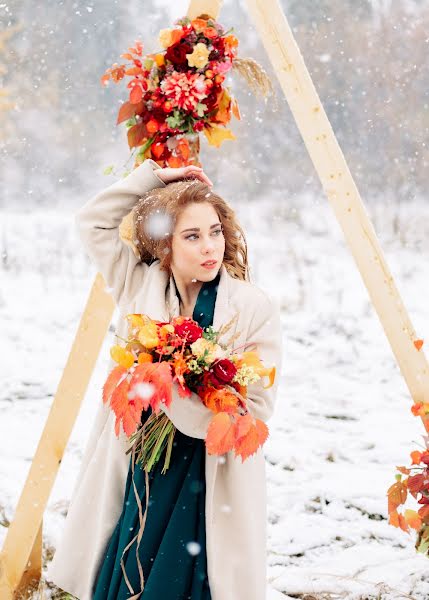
(199, 173)
(170, 174)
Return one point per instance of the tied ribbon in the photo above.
(142, 522)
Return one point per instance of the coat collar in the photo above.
(158, 297)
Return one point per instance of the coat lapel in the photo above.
(158, 298)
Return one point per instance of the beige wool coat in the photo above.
(236, 503)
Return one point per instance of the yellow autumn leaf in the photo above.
(121, 356)
(251, 359)
(216, 135)
(413, 519)
(135, 320)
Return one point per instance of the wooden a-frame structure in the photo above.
(21, 556)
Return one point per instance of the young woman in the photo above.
(204, 536)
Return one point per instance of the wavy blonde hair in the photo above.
(169, 201)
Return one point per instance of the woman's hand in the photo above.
(169, 174)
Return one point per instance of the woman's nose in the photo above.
(208, 246)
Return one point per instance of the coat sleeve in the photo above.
(266, 334)
(192, 418)
(98, 224)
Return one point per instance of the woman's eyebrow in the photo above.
(197, 228)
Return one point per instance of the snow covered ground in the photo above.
(343, 417)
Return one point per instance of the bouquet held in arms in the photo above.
(158, 355)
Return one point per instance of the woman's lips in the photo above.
(210, 265)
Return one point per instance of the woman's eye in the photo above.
(217, 231)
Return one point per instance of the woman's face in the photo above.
(197, 237)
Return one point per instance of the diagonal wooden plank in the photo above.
(341, 190)
(24, 533)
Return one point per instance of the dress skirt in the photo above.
(172, 550)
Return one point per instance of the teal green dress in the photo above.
(172, 550)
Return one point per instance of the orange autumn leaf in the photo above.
(133, 71)
(221, 400)
(418, 344)
(136, 94)
(220, 436)
(159, 376)
(416, 483)
(136, 135)
(243, 425)
(413, 519)
(262, 430)
(250, 433)
(247, 444)
(424, 512)
(126, 111)
(126, 410)
(397, 520)
(116, 73)
(403, 470)
(223, 113)
(112, 381)
(396, 494)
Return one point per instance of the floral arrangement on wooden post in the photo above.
(179, 92)
(413, 480)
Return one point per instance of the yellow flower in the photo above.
(165, 37)
(202, 345)
(199, 57)
(148, 335)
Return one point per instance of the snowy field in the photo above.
(342, 420)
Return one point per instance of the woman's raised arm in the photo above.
(98, 223)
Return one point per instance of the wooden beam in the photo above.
(341, 190)
(24, 535)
